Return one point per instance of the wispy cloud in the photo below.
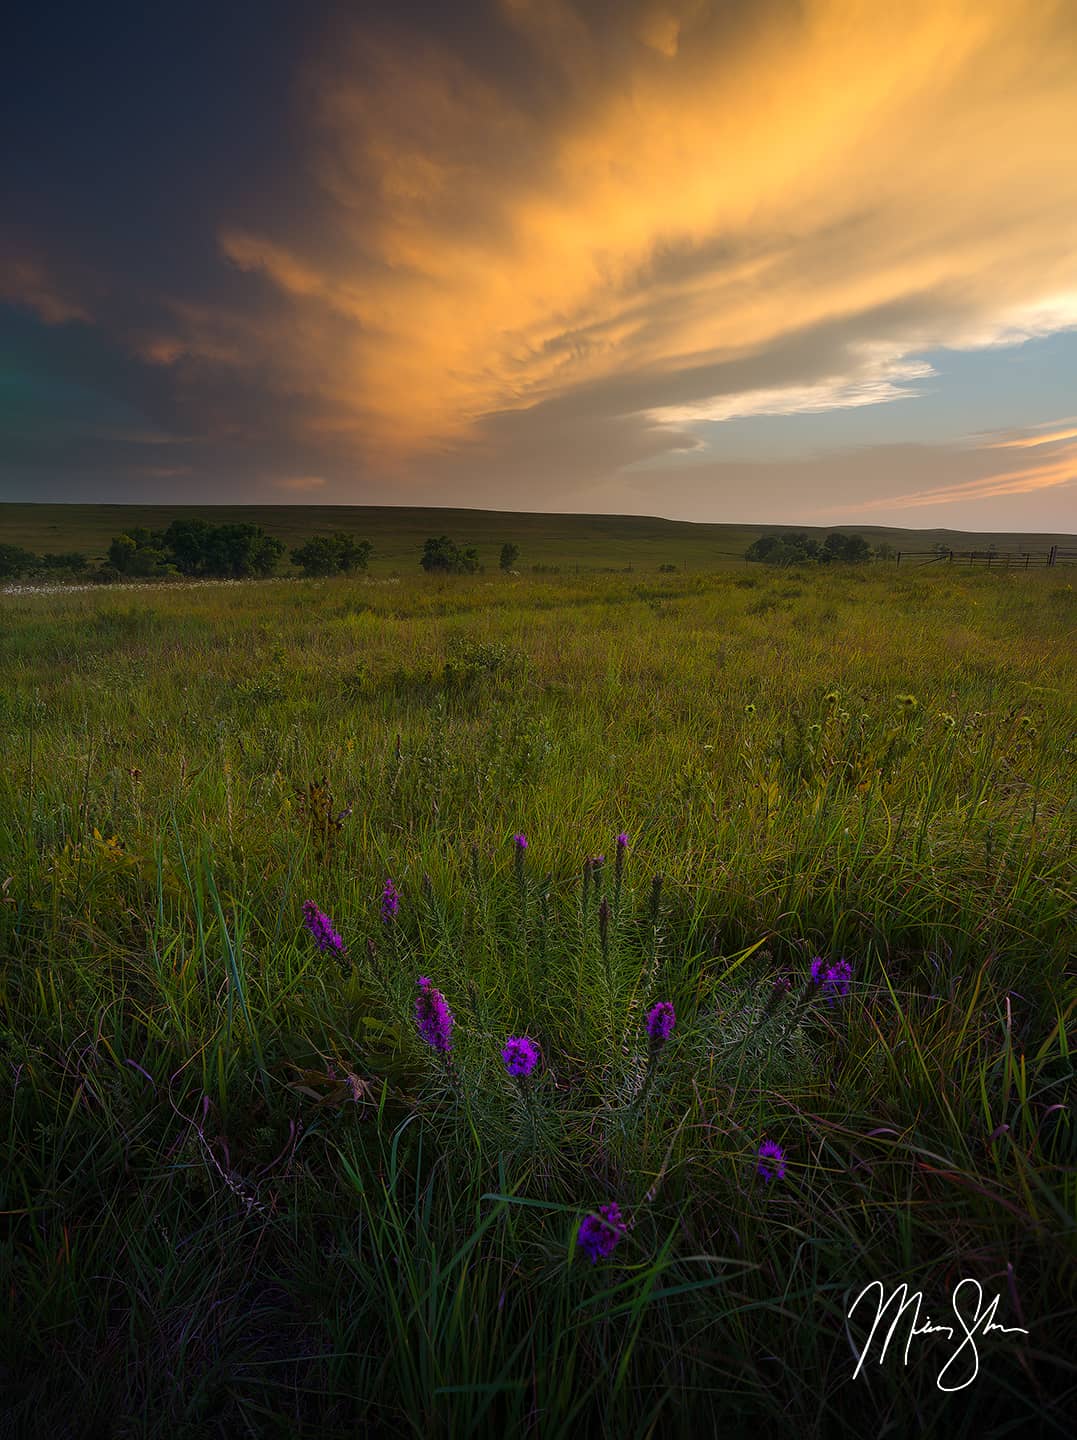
(1041, 474)
(888, 382)
(544, 241)
(1029, 442)
(29, 282)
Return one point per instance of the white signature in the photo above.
(981, 1321)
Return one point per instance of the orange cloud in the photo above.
(1024, 442)
(28, 282)
(1061, 470)
(667, 195)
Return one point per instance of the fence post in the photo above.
(1053, 555)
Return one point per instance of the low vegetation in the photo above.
(471, 1004)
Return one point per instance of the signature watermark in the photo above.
(974, 1318)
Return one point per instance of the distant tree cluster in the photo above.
(196, 549)
(15, 562)
(337, 554)
(444, 556)
(799, 549)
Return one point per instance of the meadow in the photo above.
(240, 1195)
(566, 544)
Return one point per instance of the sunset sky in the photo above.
(806, 261)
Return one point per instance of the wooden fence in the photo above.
(991, 558)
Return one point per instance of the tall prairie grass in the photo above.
(238, 1194)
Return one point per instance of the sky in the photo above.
(804, 261)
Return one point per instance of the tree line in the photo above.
(796, 548)
(199, 549)
(193, 549)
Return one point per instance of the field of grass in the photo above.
(239, 1195)
(569, 542)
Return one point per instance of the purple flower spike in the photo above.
(390, 902)
(661, 1019)
(321, 929)
(601, 1233)
(836, 981)
(520, 841)
(521, 1055)
(771, 1162)
(622, 842)
(433, 1017)
(818, 966)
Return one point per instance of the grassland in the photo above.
(568, 542)
(239, 1196)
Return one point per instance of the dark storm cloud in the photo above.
(514, 248)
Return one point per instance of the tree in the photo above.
(353, 554)
(338, 554)
(885, 551)
(857, 550)
(844, 549)
(509, 555)
(189, 542)
(241, 551)
(14, 560)
(236, 551)
(793, 548)
(445, 556)
(72, 560)
(195, 547)
(138, 556)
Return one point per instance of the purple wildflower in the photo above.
(433, 1017)
(322, 930)
(390, 902)
(520, 1055)
(818, 965)
(661, 1019)
(622, 842)
(836, 981)
(601, 1233)
(771, 1161)
(520, 841)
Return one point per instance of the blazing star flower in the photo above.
(601, 1233)
(321, 928)
(771, 1161)
(433, 1017)
(390, 902)
(520, 1055)
(520, 841)
(661, 1019)
(818, 967)
(836, 981)
(622, 841)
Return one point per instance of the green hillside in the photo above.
(397, 533)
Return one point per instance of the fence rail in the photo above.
(992, 559)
